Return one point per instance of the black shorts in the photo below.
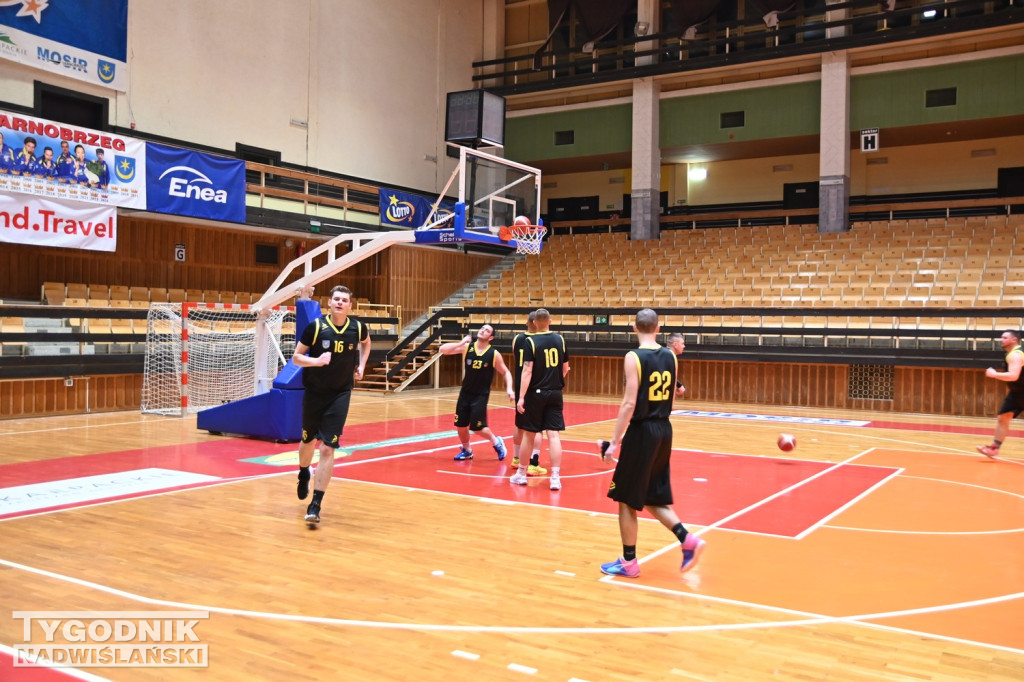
(471, 410)
(324, 415)
(542, 412)
(1013, 402)
(642, 475)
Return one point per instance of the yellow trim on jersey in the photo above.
(638, 367)
(344, 327)
(653, 346)
(1015, 349)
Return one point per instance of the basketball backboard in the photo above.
(491, 192)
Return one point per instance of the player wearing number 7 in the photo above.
(545, 364)
(644, 434)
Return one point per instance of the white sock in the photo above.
(554, 470)
(537, 452)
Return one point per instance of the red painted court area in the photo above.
(772, 496)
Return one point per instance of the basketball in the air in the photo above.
(786, 442)
(522, 220)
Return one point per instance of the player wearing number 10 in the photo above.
(545, 364)
(644, 433)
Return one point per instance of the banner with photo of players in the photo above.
(60, 161)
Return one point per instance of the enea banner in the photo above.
(408, 210)
(189, 183)
(48, 222)
(82, 39)
(60, 161)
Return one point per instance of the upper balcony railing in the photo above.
(797, 32)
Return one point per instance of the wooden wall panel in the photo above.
(45, 397)
(224, 259)
(417, 277)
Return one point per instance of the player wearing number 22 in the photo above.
(545, 364)
(333, 351)
(644, 434)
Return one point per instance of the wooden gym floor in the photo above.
(882, 548)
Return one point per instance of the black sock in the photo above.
(318, 496)
(534, 460)
(629, 552)
(303, 473)
(680, 532)
(997, 443)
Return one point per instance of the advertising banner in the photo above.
(82, 39)
(408, 210)
(61, 161)
(31, 220)
(185, 182)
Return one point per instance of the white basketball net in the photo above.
(528, 238)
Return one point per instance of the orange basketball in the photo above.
(522, 220)
(786, 442)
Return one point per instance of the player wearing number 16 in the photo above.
(644, 434)
(545, 364)
(332, 351)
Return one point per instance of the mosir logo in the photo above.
(194, 185)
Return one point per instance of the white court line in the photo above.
(465, 654)
(814, 619)
(741, 512)
(852, 501)
(63, 670)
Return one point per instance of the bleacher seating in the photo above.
(918, 263)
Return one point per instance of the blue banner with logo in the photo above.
(404, 209)
(185, 182)
(82, 39)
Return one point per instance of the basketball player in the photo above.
(678, 345)
(535, 469)
(480, 360)
(644, 434)
(1013, 404)
(328, 351)
(545, 364)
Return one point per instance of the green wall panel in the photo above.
(985, 89)
(780, 111)
(601, 130)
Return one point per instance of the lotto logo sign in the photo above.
(111, 639)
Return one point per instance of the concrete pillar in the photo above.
(648, 22)
(645, 216)
(834, 154)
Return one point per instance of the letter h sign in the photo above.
(869, 140)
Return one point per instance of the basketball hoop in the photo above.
(528, 238)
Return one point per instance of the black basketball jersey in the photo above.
(321, 336)
(547, 352)
(1018, 385)
(518, 350)
(479, 369)
(656, 367)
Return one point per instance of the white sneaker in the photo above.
(556, 482)
(518, 479)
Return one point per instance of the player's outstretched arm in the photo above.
(454, 347)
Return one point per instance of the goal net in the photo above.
(199, 357)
